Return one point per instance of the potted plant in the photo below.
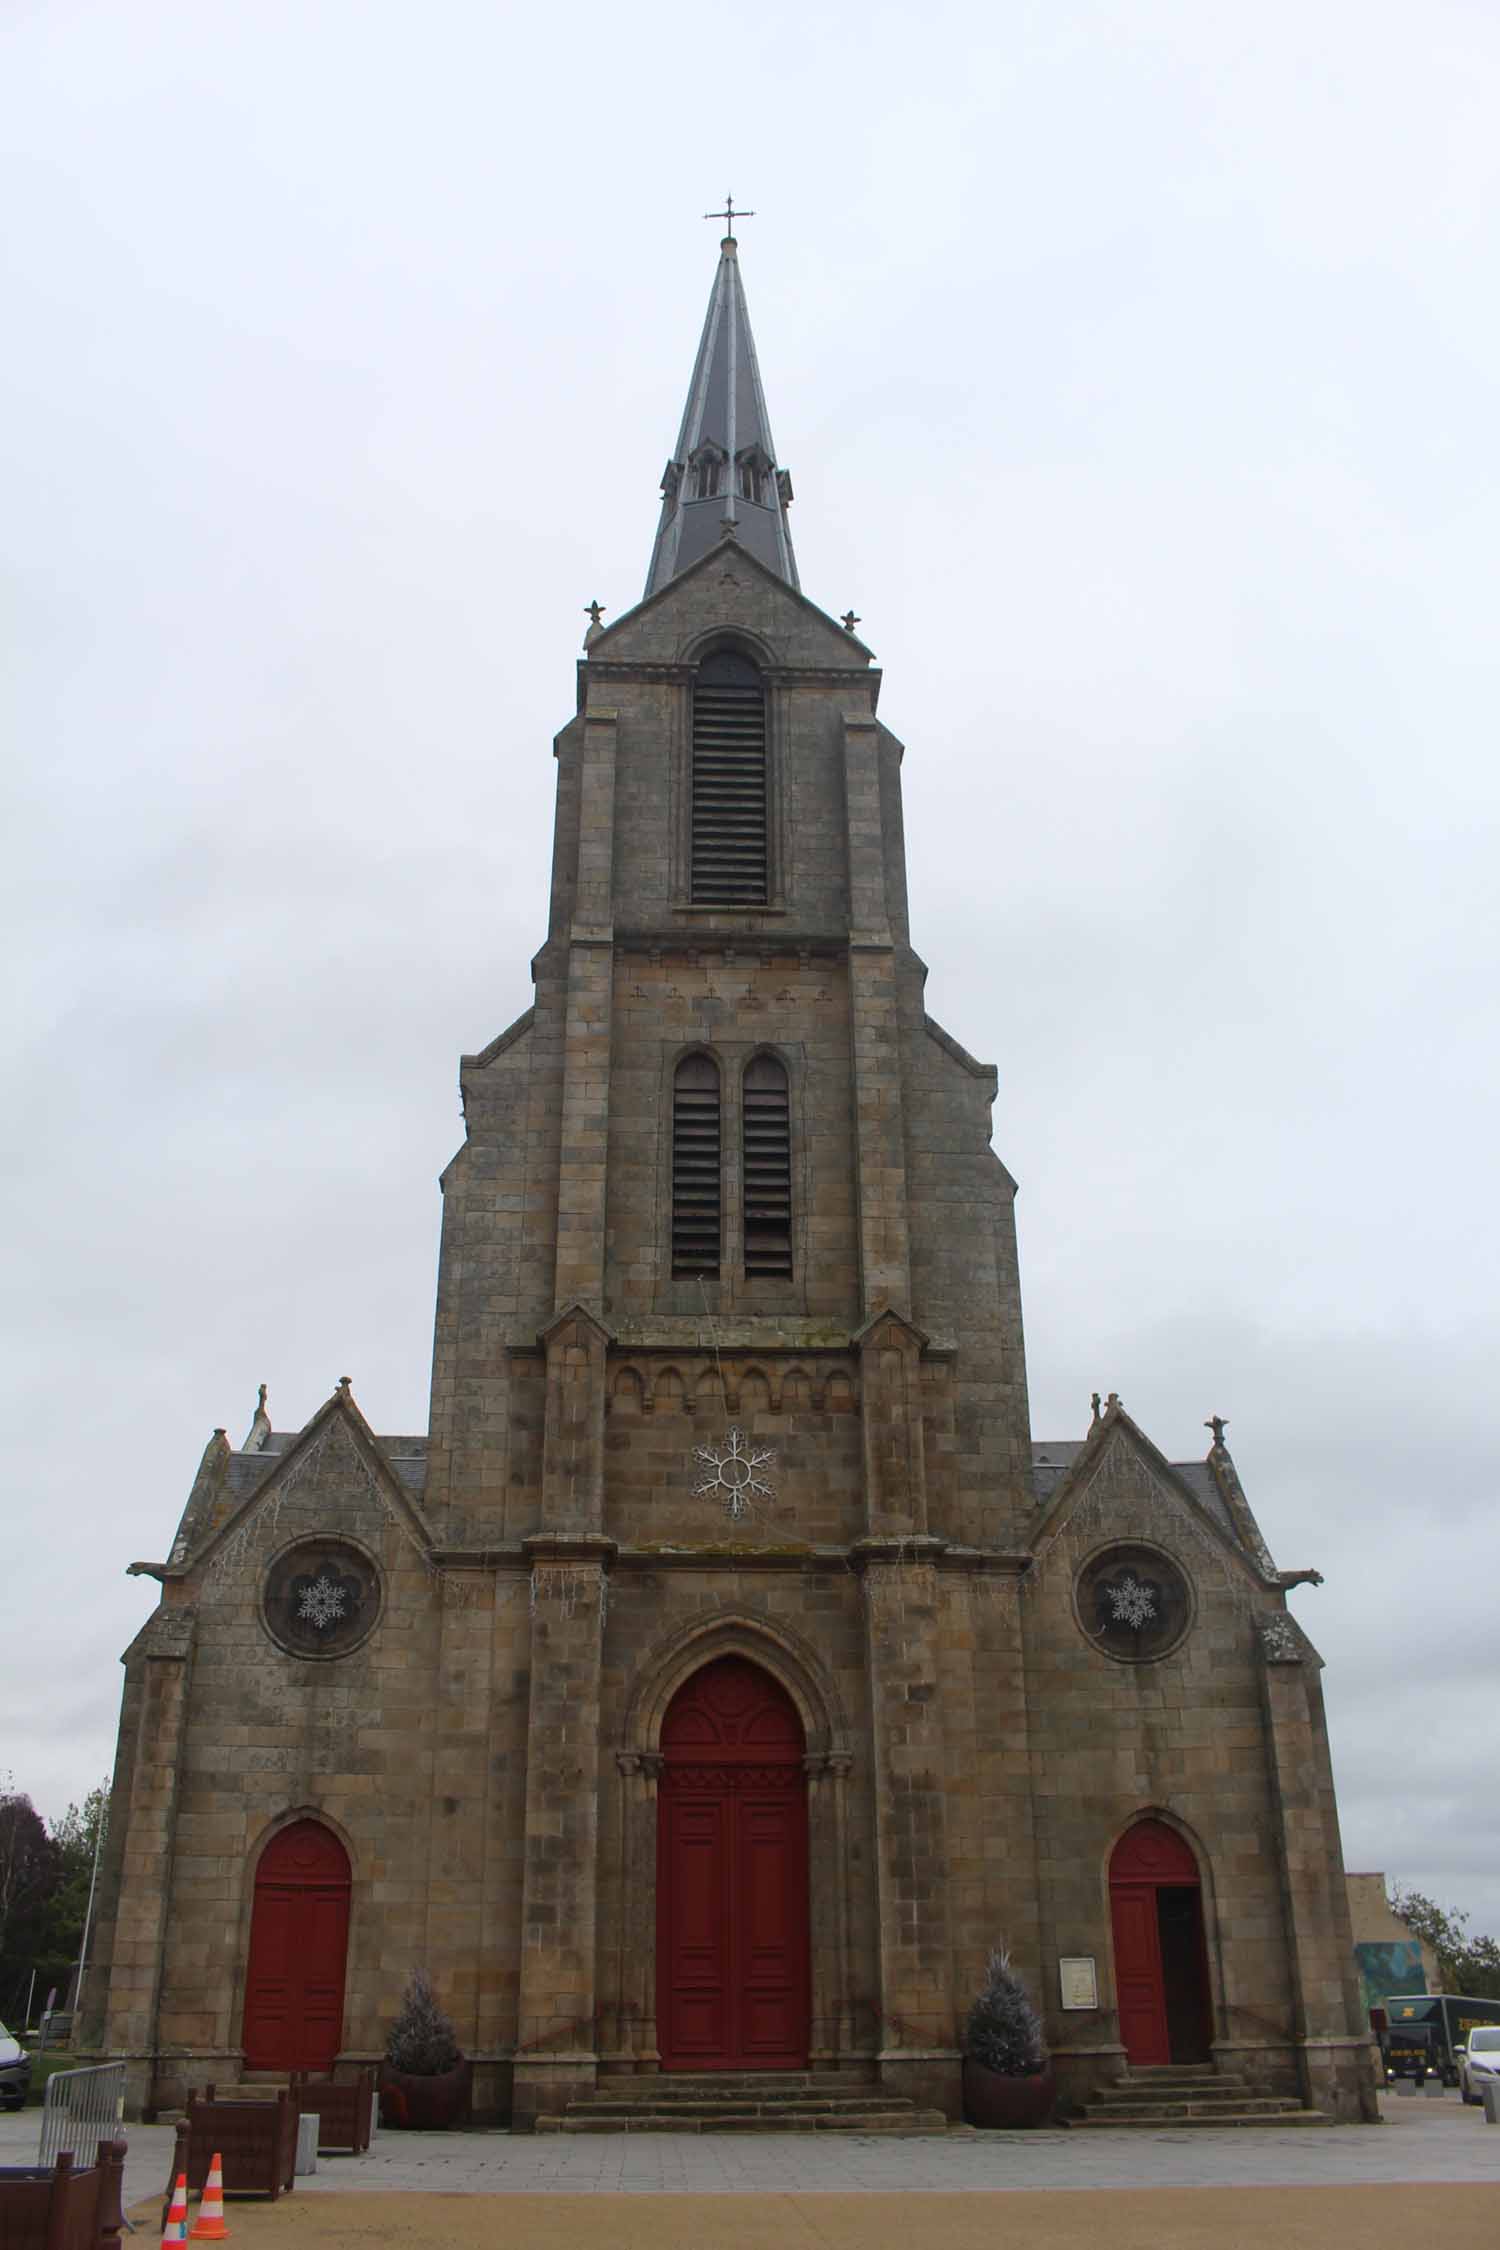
(1008, 2079)
(424, 2080)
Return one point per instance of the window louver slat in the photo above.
(695, 1167)
(729, 786)
(767, 1145)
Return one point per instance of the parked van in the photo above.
(1425, 2030)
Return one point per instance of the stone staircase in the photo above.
(771, 2101)
(1189, 2094)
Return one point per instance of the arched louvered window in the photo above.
(695, 1166)
(729, 783)
(767, 1129)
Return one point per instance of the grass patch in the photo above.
(47, 2066)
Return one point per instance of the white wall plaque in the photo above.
(1078, 1980)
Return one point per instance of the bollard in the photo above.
(307, 2142)
(1434, 2088)
(1489, 2094)
(1405, 2086)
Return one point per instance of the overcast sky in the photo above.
(1137, 373)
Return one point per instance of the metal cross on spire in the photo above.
(729, 214)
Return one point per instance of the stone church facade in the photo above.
(726, 1670)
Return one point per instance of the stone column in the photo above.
(918, 2056)
(1333, 2050)
(827, 1773)
(586, 1037)
(874, 1015)
(142, 1929)
(573, 1440)
(640, 1771)
(556, 2047)
(893, 1418)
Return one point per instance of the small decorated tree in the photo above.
(1004, 2031)
(421, 2042)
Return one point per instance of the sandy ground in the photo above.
(1270, 2218)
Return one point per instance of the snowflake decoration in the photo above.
(1279, 1640)
(322, 1602)
(733, 1470)
(1131, 1603)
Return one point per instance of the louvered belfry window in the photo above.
(729, 783)
(768, 1169)
(695, 1166)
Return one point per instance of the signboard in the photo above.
(1078, 1980)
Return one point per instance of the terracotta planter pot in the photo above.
(1004, 2104)
(425, 2105)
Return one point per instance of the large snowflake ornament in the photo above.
(731, 1472)
(1131, 1603)
(322, 1602)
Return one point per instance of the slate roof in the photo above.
(1051, 1459)
(726, 412)
(406, 1455)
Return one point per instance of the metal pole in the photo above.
(88, 1917)
(30, 1989)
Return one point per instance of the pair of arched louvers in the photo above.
(697, 1167)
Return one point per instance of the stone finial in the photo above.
(1218, 1424)
(259, 1434)
(593, 611)
(344, 1385)
(849, 621)
(1112, 1401)
(1094, 1403)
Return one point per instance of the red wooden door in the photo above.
(1148, 1859)
(732, 1877)
(299, 1937)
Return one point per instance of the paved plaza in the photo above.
(1435, 2141)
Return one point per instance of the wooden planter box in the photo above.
(63, 2208)
(345, 2111)
(426, 2105)
(257, 2140)
(1004, 2104)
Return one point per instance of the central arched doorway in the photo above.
(1161, 1966)
(731, 1875)
(299, 1936)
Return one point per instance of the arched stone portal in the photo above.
(1161, 1968)
(732, 1938)
(299, 1938)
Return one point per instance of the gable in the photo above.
(728, 589)
(1118, 1488)
(333, 1477)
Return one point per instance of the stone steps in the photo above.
(1192, 2094)
(743, 2102)
(1154, 2123)
(671, 2120)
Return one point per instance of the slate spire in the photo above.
(723, 469)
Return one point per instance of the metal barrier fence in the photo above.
(81, 2108)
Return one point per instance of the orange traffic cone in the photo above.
(210, 2225)
(174, 2227)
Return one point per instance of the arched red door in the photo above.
(299, 1936)
(1161, 1970)
(732, 1877)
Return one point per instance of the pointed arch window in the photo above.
(707, 467)
(729, 860)
(766, 1126)
(696, 1218)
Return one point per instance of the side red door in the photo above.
(299, 1940)
(1148, 1858)
(1139, 1993)
(732, 1876)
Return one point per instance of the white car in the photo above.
(15, 2070)
(1478, 2059)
